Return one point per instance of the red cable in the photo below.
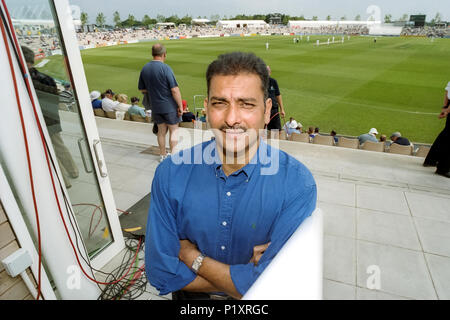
(49, 166)
(30, 173)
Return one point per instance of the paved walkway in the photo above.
(385, 216)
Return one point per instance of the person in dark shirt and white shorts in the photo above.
(157, 80)
(277, 101)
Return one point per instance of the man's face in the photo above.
(236, 112)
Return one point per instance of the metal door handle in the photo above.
(99, 161)
(83, 157)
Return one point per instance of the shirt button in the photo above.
(222, 247)
(224, 223)
(228, 193)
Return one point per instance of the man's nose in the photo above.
(233, 115)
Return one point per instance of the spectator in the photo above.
(158, 81)
(333, 134)
(396, 137)
(135, 108)
(187, 115)
(203, 116)
(123, 105)
(286, 125)
(387, 143)
(370, 136)
(293, 128)
(96, 102)
(108, 104)
(311, 132)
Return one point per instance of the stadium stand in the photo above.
(348, 143)
(399, 149)
(323, 140)
(422, 151)
(300, 137)
(373, 146)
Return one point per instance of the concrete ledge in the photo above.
(354, 165)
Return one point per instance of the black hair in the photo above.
(134, 99)
(235, 63)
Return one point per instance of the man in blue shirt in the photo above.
(96, 102)
(158, 82)
(370, 136)
(221, 210)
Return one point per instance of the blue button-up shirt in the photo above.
(225, 217)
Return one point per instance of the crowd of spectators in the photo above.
(431, 32)
(103, 37)
(293, 126)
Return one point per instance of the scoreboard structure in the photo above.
(418, 20)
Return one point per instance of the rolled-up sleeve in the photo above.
(298, 207)
(163, 268)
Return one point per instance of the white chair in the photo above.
(296, 272)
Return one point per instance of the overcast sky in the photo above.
(310, 8)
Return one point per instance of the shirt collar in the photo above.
(259, 158)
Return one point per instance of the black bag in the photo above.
(155, 128)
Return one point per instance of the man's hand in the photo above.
(188, 252)
(282, 113)
(443, 113)
(258, 252)
(180, 111)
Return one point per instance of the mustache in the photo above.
(237, 127)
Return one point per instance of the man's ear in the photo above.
(267, 110)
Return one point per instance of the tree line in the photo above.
(132, 22)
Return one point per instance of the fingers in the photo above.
(258, 251)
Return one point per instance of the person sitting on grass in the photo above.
(135, 108)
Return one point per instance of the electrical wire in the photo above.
(30, 171)
(26, 77)
(130, 288)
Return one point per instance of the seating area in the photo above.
(353, 143)
(138, 118)
(116, 115)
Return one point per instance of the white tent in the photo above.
(165, 25)
(242, 24)
(200, 21)
(325, 23)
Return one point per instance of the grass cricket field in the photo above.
(395, 84)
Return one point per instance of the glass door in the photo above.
(45, 32)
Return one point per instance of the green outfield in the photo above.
(395, 84)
